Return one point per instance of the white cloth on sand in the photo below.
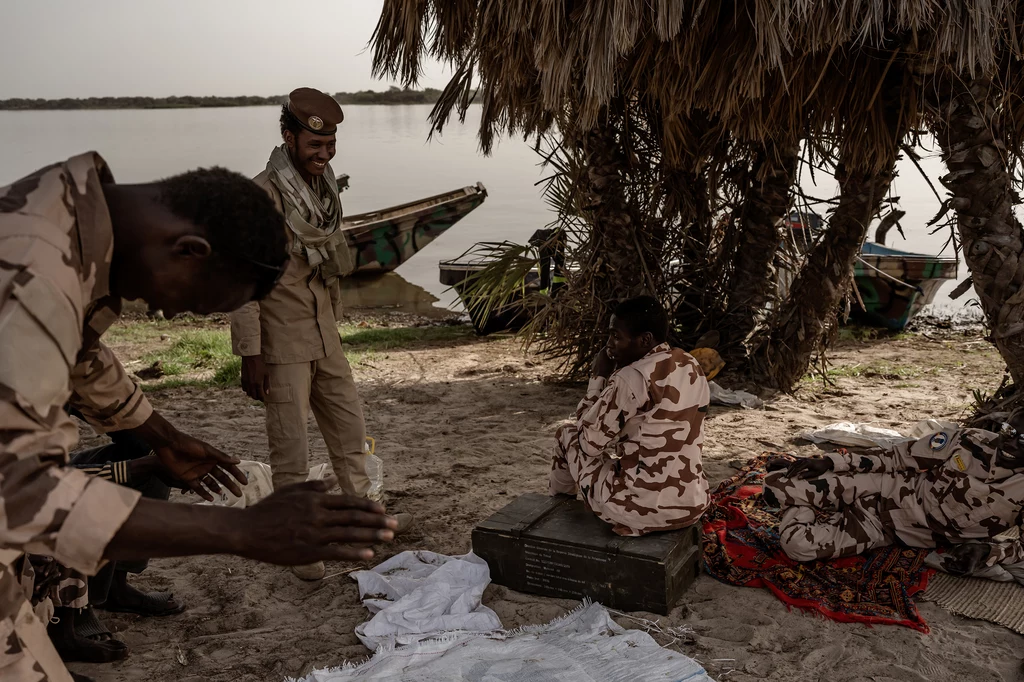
(724, 396)
(420, 594)
(868, 436)
(584, 645)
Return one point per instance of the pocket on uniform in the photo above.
(280, 394)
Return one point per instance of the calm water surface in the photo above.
(385, 151)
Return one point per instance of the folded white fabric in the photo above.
(420, 594)
(584, 645)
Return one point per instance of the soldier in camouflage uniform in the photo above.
(73, 244)
(634, 449)
(292, 359)
(960, 487)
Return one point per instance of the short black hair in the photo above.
(643, 314)
(245, 230)
(289, 124)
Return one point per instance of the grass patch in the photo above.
(872, 370)
(203, 358)
(856, 333)
(877, 370)
(386, 338)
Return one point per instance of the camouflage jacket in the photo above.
(647, 422)
(56, 245)
(297, 321)
(953, 489)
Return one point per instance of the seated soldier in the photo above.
(956, 488)
(634, 449)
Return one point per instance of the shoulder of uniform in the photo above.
(263, 180)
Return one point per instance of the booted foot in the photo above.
(123, 598)
(310, 571)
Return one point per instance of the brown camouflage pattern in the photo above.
(944, 488)
(297, 321)
(56, 244)
(634, 450)
(60, 585)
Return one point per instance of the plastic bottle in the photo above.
(375, 470)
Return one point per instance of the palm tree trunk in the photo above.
(967, 123)
(754, 278)
(809, 313)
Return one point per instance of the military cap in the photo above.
(315, 111)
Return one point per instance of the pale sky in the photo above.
(158, 48)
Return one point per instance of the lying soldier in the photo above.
(959, 487)
(634, 449)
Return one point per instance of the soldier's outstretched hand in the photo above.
(301, 524)
(966, 558)
(809, 467)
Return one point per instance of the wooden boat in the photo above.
(382, 240)
(457, 274)
(894, 285)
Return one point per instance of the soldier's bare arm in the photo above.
(298, 524)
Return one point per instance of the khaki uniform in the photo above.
(295, 329)
(635, 447)
(945, 488)
(56, 243)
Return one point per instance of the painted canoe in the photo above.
(382, 240)
(512, 317)
(894, 285)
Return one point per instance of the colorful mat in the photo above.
(741, 547)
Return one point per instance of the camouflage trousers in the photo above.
(834, 515)
(595, 477)
(63, 586)
(26, 653)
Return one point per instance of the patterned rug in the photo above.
(741, 547)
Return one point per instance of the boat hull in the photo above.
(383, 240)
(510, 318)
(894, 285)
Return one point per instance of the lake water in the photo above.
(385, 151)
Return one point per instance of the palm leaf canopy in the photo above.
(759, 68)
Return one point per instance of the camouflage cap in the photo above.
(315, 111)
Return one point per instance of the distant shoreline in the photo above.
(393, 96)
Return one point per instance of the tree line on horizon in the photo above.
(393, 95)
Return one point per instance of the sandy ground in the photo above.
(465, 429)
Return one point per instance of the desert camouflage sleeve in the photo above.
(1005, 552)
(105, 394)
(915, 455)
(245, 330)
(46, 508)
(603, 413)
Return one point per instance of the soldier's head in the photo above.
(309, 123)
(637, 326)
(206, 241)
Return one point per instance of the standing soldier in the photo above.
(292, 358)
(958, 488)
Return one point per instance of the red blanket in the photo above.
(741, 547)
